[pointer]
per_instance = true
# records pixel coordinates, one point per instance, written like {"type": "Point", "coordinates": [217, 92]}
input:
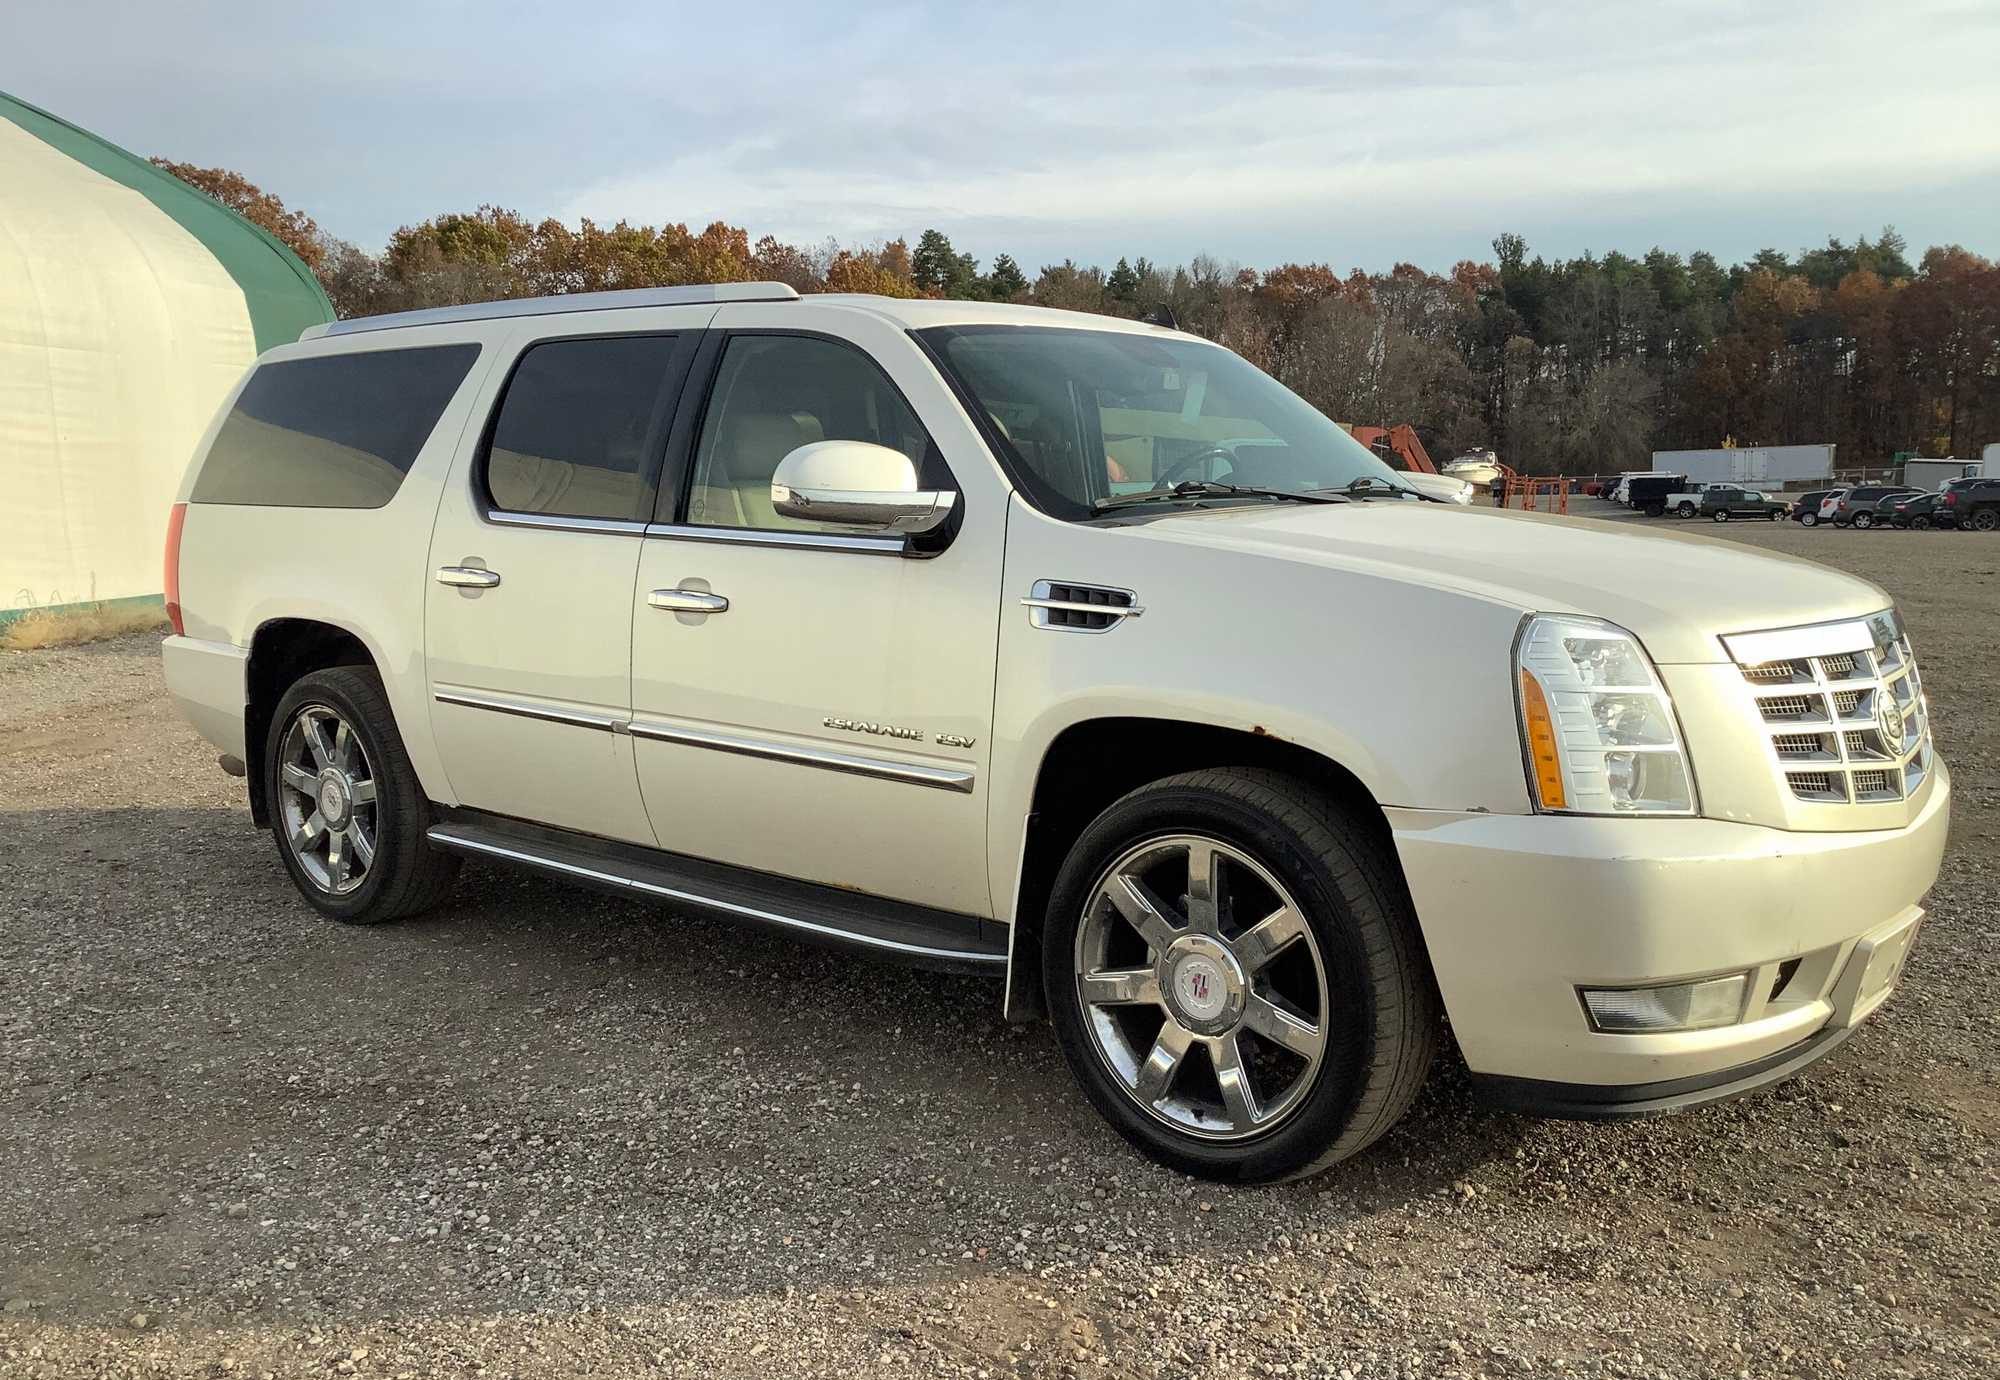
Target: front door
{"type": "Point", "coordinates": [528, 631]}
{"type": "Point", "coordinates": [808, 700]}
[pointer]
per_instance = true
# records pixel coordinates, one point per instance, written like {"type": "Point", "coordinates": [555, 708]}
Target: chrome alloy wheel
{"type": "Point", "coordinates": [327, 796]}
{"type": "Point", "coordinates": [1202, 987]}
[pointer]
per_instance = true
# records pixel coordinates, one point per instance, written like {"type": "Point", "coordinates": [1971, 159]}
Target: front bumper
{"type": "Point", "coordinates": [1520, 911]}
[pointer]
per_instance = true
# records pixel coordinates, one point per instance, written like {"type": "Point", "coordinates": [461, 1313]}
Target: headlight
{"type": "Point", "coordinates": [1597, 727]}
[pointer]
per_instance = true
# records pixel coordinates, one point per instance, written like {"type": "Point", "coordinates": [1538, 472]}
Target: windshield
{"type": "Point", "coordinates": [1094, 415]}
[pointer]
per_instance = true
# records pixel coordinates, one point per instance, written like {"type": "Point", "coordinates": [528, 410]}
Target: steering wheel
{"type": "Point", "coordinates": [1188, 462]}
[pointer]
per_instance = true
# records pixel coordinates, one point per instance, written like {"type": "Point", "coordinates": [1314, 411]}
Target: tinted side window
{"type": "Point", "coordinates": [335, 431]}
{"type": "Point", "coordinates": [580, 427]}
{"type": "Point", "coordinates": [776, 393]}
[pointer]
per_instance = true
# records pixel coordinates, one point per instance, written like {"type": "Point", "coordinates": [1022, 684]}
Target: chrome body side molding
{"type": "Point", "coordinates": [909, 773]}
{"type": "Point", "coordinates": [576, 718]}
{"type": "Point", "coordinates": [956, 779]}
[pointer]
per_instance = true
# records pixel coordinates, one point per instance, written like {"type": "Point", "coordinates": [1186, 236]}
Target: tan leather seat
{"type": "Point", "coordinates": [733, 488]}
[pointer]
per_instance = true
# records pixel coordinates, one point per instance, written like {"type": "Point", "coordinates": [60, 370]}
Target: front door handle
{"type": "Point", "coordinates": [468, 576]}
{"type": "Point", "coordinates": [687, 601]}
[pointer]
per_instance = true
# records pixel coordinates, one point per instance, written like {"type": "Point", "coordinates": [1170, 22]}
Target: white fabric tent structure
{"type": "Point", "coordinates": [130, 305]}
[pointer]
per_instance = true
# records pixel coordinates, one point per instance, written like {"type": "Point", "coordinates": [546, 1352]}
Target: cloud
{"type": "Point", "coordinates": [1455, 122]}
{"type": "Point", "coordinates": [1260, 131]}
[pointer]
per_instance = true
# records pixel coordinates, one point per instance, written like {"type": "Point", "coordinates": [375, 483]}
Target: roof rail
{"type": "Point", "coordinates": [561, 303]}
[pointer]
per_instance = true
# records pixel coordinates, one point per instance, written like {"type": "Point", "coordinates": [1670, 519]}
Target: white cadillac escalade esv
{"type": "Point", "coordinates": [1073, 650]}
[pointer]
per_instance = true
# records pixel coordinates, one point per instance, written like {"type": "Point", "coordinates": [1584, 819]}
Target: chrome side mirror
{"type": "Point", "coordinates": [857, 484]}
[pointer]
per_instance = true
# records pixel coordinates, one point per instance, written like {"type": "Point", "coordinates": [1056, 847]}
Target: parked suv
{"type": "Point", "coordinates": [1069, 650]}
{"type": "Point", "coordinates": [1857, 507]}
{"type": "Point", "coordinates": [1721, 503]}
{"type": "Point", "coordinates": [1975, 505]}
{"type": "Point", "coordinates": [1805, 508]}
{"type": "Point", "coordinates": [1921, 511]}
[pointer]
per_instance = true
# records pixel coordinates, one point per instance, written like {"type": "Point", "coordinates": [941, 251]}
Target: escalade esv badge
{"type": "Point", "coordinates": [914, 735]}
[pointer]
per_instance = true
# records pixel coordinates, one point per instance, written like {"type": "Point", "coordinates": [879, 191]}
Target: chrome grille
{"type": "Point", "coordinates": [1858, 680]}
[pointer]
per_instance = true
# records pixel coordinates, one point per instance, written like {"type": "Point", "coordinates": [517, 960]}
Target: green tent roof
{"type": "Point", "coordinates": [280, 291]}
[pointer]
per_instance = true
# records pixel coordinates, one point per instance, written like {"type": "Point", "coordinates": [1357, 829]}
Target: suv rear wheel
{"type": "Point", "coordinates": [1235, 978]}
{"type": "Point", "coordinates": [1985, 520]}
{"type": "Point", "coordinates": [1809, 520]}
{"type": "Point", "coordinates": [346, 809]}
{"type": "Point", "coordinates": [1864, 521]}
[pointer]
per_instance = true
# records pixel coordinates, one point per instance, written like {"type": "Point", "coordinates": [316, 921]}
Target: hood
{"type": "Point", "coordinates": [1678, 591]}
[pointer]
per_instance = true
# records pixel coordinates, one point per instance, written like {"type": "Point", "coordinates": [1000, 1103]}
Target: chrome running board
{"type": "Point", "coordinates": [897, 930]}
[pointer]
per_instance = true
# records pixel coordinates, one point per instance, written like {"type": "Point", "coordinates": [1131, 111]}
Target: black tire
{"type": "Point", "coordinates": [1985, 520]}
{"type": "Point", "coordinates": [406, 874]}
{"type": "Point", "coordinates": [1722, 515]}
{"type": "Point", "coordinates": [1774, 514]}
{"type": "Point", "coordinates": [1864, 521]}
{"type": "Point", "coordinates": [1381, 1011]}
{"type": "Point", "coordinates": [1685, 510]}
{"type": "Point", "coordinates": [1921, 523]}
{"type": "Point", "coordinates": [1809, 520]}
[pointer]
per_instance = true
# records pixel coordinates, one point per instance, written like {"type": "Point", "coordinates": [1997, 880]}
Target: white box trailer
{"type": "Point", "coordinates": [1753, 466]}
{"type": "Point", "coordinates": [1931, 475]}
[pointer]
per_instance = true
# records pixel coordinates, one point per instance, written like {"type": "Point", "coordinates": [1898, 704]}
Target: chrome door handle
{"type": "Point", "coordinates": [687, 601]}
{"type": "Point", "coordinates": [468, 576]}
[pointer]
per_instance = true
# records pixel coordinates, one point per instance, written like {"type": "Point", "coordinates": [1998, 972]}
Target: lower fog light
{"type": "Point", "coordinates": [1680, 1006]}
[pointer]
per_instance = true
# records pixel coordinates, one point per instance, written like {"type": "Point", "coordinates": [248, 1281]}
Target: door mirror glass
{"type": "Point", "coordinates": [857, 484]}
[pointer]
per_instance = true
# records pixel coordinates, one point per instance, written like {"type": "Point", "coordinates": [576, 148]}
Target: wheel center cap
{"type": "Point", "coordinates": [335, 799]}
{"type": "Point", "coordinates": [1203, 984]}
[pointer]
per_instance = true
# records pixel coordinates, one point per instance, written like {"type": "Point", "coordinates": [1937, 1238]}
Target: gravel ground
{"type": "Point", "coordinates": [544, 1133]}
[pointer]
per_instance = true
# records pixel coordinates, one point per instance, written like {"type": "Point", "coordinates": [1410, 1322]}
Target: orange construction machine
{"type": "Point", "coordinates": [1397, 445]}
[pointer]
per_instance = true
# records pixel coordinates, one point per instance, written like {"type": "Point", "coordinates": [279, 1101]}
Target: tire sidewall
{"type": "Point", "coordinates": [348, 907]}
{"type": "Point", "coordinates": [1809, 520]}
{"type": "Point", "coordinates": [1328, 1106]}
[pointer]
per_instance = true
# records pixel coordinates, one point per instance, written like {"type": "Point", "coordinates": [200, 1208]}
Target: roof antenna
{"type": "Point", "coordinates": [1161, 315]}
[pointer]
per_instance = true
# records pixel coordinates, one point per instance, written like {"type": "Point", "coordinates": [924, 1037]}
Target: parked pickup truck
{"type": "Point", "coordinates": [961, 634]}
{"type": "Point", "coordinates": [1975, 505]}
{"type": "Point", "coordinates": [1686, 501]}
{"type": "Point", "coordinates": [1721, 502]}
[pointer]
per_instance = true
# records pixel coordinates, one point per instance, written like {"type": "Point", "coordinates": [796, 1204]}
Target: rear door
{"type": "Point", "coordinates": [528, 633]}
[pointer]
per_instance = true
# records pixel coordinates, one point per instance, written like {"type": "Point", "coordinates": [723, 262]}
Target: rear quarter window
{"type": "Point", "coordinates": [333, 431]}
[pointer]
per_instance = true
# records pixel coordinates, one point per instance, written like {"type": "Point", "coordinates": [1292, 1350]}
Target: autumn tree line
{"type": "Point", "coordinates": [1573, 366]}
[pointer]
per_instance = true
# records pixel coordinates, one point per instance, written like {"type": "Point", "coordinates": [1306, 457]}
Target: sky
{"type": "Point", "coordinates": [1259, 132]}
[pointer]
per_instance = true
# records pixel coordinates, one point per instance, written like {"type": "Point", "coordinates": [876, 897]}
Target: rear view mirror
{"type": "Point", "coordinates": [857, 484]}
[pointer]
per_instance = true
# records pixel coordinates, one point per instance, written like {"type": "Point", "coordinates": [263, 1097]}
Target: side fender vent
{"type": "Point", "coordinates": [1069, 607]}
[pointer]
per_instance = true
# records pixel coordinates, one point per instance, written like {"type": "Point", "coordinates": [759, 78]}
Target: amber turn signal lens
{"type": "Point", "coordinates": [1542, 754]}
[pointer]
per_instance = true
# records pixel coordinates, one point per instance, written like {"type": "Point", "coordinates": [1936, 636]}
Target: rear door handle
{"type": "Point", "coordinates": [687, 601]}
{"type": "Point", "coordinates": [468, 576]}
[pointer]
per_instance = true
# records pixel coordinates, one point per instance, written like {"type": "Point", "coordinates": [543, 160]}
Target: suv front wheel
{"type": "Point", "coordinates": [1235, 977]}
{"type": "Point", "coordinates": [345, 806]}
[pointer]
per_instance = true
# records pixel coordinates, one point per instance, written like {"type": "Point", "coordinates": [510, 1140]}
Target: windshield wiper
{"type": "Point", "coordinates": [1211, 488]}
{"type": "Point", "coordinates": [1367, 483]}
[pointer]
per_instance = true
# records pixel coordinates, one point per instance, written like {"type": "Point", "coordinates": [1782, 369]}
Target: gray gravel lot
{"type": "Point", "coordinates": [545, 1133]}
